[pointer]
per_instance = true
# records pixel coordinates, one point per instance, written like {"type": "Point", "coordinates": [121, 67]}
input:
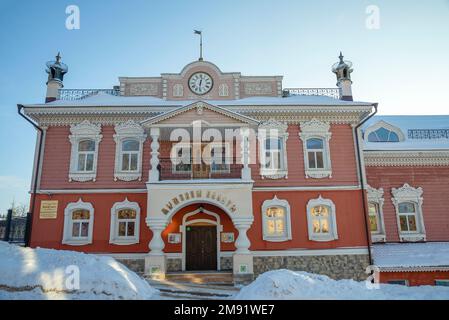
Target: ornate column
{"type": "Point", "coordinates": [246, 170]}
{"type": "Point", "coordinates": [155, 262]}
{"type": "Point", "coordinates": [156, 244]}
{"type": "Point", "coordinates": [154, 172]}
{"type": "Point", "coordinates": [242, 260]}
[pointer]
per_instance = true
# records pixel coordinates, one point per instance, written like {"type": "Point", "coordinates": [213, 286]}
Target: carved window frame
{"type": "Point", "coordinates": [319, 130]}
{"type": "Point", "coordinates": [114, 238]}
{"type": "Point", "coordinates": [68, 223]}
{"type": "Point", "coordinates": [275, 202]}
{"type": "Point", "coordinates": [375, 196]}
{"type": "Point", "coordinates": [409, 194]}
{"type": "Point", "coordinates": [268, 130]}
{"type": "Point", "coordinates": [128, 131]}
{"type": "Point", "coordinates": [333, 232]}
{"type": "Point", "coordinates": [79, 132]}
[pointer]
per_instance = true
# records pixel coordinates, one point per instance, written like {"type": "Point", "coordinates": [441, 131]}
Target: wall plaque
{"type": "Point", "coordinates": [49, 209]}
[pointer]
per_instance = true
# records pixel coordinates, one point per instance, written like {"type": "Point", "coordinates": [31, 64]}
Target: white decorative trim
{"type": "Point", "coordinates": [83, 131]}
{"type": "Point", "coordinates": [129, 130]}
{"type": "Point", "coordinates": [114, 238]}
{"type": "Point", "coordinates": [386, 125]}
{"type": "Point", "coordinates": [424, 158]}
{"type": "Point", "coordinates": [376, 196]}
{"type": "Point", "coordinates": [302, 188]}
{"type": "Point", "coordinates": [275, 202]}
{"type": "Point", "coordinates": [413, 195]}
{"type": "Point", "coordinates": [223, 90]}
{"type": "Point", "coordinates": [273, 129]}
{"type": "Point", "coordinates": [316, 129]}
{"type": "Point", "coordinates": [178, 90]}
{"type": "Point", "coordinates": [67, 233]}
{"type": "Point", "coordinates": [333, 234]}
{"type": "Point", "coordinates": [185, 223]}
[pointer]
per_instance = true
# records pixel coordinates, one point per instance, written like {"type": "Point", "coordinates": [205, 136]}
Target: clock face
{"type": "Point", "coordinates": [200, 83]}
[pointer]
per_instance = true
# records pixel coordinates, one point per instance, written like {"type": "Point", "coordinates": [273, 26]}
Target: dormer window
{"type": "Point", "coordinates": [384, 132]}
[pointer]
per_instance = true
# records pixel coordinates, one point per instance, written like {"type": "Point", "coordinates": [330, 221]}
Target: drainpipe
{"type": "Point", "coordinates": [36, 175]}
{"type": "Point", "coordinates": [362, 182]}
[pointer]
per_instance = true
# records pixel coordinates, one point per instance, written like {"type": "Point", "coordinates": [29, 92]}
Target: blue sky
{"type": "Point", "coordinates": [403, 65]}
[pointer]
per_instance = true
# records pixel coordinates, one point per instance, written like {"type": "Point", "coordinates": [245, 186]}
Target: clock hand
{"type": "Point", "coordinates": [201, 81]}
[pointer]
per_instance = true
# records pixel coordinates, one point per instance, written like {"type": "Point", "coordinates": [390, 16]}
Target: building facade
{"type": "Point", "coordinates": [209, 170]}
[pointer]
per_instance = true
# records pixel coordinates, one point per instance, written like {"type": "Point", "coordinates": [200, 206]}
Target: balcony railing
{"type": "Point", "coordinates": [328, 92]}
{"type": "Point", "coordinates": [169, 171]}
{"type": "Point", "coordinates": [77, 94]}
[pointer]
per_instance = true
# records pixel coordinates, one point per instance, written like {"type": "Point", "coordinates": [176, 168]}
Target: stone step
{"type": "Point", "coordinates": [218, 278]}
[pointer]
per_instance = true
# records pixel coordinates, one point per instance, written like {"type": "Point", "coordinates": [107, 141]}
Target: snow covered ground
{"type": "Point", "coordinates": [53, 274]}
{"type": "Point", "coordinates": [285, 284]}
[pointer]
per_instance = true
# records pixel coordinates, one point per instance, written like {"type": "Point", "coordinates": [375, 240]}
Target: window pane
{"type": "Point", "coordinates": [273, 144]}
{"type": "Point", "coordinates": [324, 226]}
{"type": "Point", "coordinates": [406, 207]}
{"type": "Point", "coordinates": [280, 226]}
{"type": "Point", "coordinates": [312, 163]}
{"type": "Point", "coordinates": [133, 162]}
{"type": "Point", "coordinates": [76, 229]}
{"type": "Point", "coordinates": [403, 223]}
{"type": "Point", "coordinates": [270, 227]}
{"type": "Point", "coordinates": [383, 134]}
{"type": "Point", "coordinates": [316, 226]}
{"type": "Point", "coordinates": [122, 229]}
{"type": "Point", "coordinates": [125, 162]}
{"type": "Point", "coordinates": [130, 145]}
{"type": "Point", "coordinates": [319, 160]}
{"type": "Point", "coordinates": [86, 145]}
{"type": "Point", "coordinates": [393, 137]}
{"type": "Point", "coordinates": [81, 162]}
{"type": "Point", "coordinates": [373, 137]}
{"type": "Point", "coordinates": [322, 211]}
{"type": "Point", "coordinates": [315, 144]}
{"type": "Point", "coordinates": [412, 223]}
{"type": "Point", "coordinates": [89, 162]}
{"type": "Point", "coordinates": [84, 229]}
{"type": "Point", "coordinates": [373, 223]}
{"type": "Point", "coordinates": [372, 208]}
{"type": "Point", "coordinates": [126, 214]}
{"type": "Point", "coordinates": [80, 215]}
{"type": "Point", "coordinates": [130, 229]}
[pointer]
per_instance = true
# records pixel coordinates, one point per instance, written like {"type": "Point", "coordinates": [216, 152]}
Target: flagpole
{"type": "Point", "coordinates": [201, 46]}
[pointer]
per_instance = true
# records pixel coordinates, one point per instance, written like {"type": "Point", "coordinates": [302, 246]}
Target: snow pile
{"type": "Point", "coordinates": [53, 274]}
{"type": "Point", "coordinates": [286, 284]}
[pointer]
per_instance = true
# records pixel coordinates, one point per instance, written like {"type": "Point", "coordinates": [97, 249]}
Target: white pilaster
{"type": "Point", "coordinates": [154, 172]}
{"type": "Point", "coordinates": [246, 170]}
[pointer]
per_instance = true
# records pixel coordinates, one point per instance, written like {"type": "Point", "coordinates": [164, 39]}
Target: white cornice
{"type": "Point", "coordinates": [431, 158]}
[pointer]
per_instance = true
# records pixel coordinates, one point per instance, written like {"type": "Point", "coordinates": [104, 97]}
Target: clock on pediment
{"type": "Point", "coordinates": [200, 83]}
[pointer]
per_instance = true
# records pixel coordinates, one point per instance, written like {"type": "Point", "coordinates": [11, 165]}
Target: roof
{"type": "Point", "coordinates": [411, 255]}
{"type": "Point", "coordinates": [415, 129]}
{"type": "Point", "coordinates": [104, 99]}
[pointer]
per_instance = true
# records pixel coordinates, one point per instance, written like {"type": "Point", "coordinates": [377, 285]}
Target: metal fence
{"type": "Point", "coordinates": [327, 92]}
{"type": "Point", "coordinates": [14, 229]}
{"type": "Point", "coordinates": [77, 94]}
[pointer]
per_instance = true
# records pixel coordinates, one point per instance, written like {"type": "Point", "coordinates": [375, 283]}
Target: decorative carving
{"type": "Point", "coordinates": [407, 193]}
{"type": "Point", "coordinates": [315, 126]}
{"type": "Point", "coordinates": [406, 158]}
{"type": "Point", "coordinates": [261, 88]}
{"type": "Point", "coordinates": [143, 89]}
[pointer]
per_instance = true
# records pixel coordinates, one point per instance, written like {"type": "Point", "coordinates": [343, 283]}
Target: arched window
{"type": "Point", "coordinates": [315, 153]}
{"type": "Point", "coordinates": [78, 223]}
{"type": "Point", "coordinates": [130, 155]}
{"type": "Point", "coordinates": [321, 220]}
{"type": "Point", "coordinates": [276, 220]}
{"type": "Point", "coordinates": [125, 223]}
{"type": "Point", "coordinates": [86, 155]}
{"type": "Point", "coordinates": [383, 135]}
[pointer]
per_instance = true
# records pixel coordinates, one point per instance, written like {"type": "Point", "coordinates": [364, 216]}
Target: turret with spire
{"type": "Point", "coordinates": [56, 71]}
{"type": "Point", "coordinates": [343, 70]}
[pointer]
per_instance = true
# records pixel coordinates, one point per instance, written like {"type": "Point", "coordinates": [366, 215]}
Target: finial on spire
{"type": "Point", "coordinates": [58, 57]}
{"type": "Point", "coordinates": [341, 57]}
{"type": "Point", "coordinates": [200, 33]}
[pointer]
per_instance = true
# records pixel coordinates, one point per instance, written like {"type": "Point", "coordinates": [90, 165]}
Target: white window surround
{"type": "Point", "coordinates": [114, 238]}
{"type": "Point", "coordinates": [411, 195]}
{"type": "Point", "coordinates": [319, 130]}
{"type": "Point", "coordinates": [128, 131]}
{"type": "Point", "coordinates": [332, 234]}
{"type": "Point", "coordinates": [376, 196]}
{"type": "Point", "coordinates": [83, 131]}
{"type": "Point", "coordinates": [268, 130]}
{"type": "Point", "coordinates": [223, 90]}
{"type": "Point", "coordinates": [68, 222]}
{"type": "Point", "coordinates": [275, 202]}
{"type": "Point", "coordinates": [386, 125]}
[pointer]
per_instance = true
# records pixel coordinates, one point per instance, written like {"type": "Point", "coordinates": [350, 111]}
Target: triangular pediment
{"type": "Point", "coordinates": [200, 111]}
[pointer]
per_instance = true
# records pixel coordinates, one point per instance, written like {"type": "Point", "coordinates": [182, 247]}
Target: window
{"type": "Point", "coordinates": [408, 204]}
{"type": "Point", "coordinates": [321, 220]}
{"type": "Point", "coordinates": [85, 138]}
{"type": "Point", "coordinates": [375, 215]}
{"type": "Point", "coordinates": [78, 223]}
{"type": "Point", "coordinates": [315, 136]}
{"type": "Point", "coordinates": [383, 132]}
{"type": "Point", "coordinates": [125, 223]}
{"type": "Point", "coordinates": [181, 158]}
{"type": "Point", "coordinates": [129, 138]}
{"type": "Point", "coordinates": [86, 154]}
{"type": "Point", "coordinates": [383, 135]}
{"type": "Point", "coordinates": [398, 282]}
{"type": "Point", "coordinates": [273, 137]}
{"type": "Point", "coordinates": [276, 220]}
{"type": "Point", "coordinates": [220, 158]}
{"type": "Point", "coordinates": [443, 283]}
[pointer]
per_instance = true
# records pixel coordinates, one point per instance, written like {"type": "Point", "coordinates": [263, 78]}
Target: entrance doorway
{"type": "Point", "coordinates": [201, 248]}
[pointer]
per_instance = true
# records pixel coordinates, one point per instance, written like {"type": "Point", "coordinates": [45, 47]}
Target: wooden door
{"type": "Point", "coordinates": [200, 170]}
{"type": "Point", "coordinates": [201, 248]}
